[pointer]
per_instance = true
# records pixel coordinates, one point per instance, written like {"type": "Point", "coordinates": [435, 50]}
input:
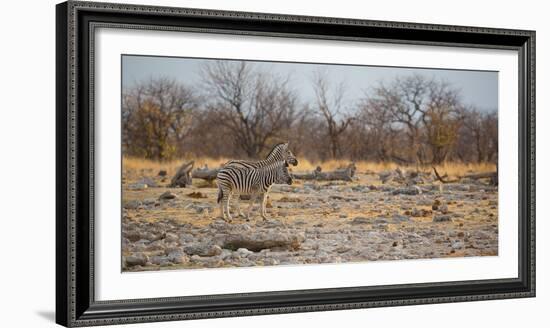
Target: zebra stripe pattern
{"type": "Point", "coordinates": [280, 152]}
{"type": "Point", "coordinates": [239, 180]}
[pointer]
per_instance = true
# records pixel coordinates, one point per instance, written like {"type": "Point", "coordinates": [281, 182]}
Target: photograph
{"type": "Point", "coordinates": [240, 163]}
{"type": "Point", "coordinates": [248, 161]}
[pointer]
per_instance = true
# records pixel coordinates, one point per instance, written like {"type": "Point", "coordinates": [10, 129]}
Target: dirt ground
{"type": "Point", "coordinates": [371, 218]}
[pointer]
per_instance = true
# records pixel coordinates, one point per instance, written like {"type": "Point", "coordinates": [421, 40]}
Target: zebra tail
{"type": "Point", "coordinates": [220, 194]}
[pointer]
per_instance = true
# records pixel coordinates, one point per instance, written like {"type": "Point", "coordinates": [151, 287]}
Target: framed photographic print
{"type": "Point", "coordinates": [215, 164]}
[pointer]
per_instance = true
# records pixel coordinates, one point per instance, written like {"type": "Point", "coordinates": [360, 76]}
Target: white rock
{"type": "Point", "coordinates": [137, 186]}
{"type": "Point", "coordinates": [243, 252]}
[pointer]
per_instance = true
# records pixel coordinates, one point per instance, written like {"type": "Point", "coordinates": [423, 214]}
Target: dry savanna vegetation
{"type": "Point", "coordinates": [406, 172]}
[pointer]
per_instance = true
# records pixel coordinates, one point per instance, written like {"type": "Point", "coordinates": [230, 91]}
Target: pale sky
{"type": "Point", "coordinates": [477, 88]}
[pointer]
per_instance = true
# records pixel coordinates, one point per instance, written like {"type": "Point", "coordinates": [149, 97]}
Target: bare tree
{"type": "Point", "coordinates": [478, 137]}
{"type": "Point", "coordinates": [254, 106]}
{"type": "Point", "coordinates": [329, 104]}
{"type": "Point", "coordinates": [403, 101]}
{"type": "Point", "coordinates": [157, 116]}
{"type": "Point", "coordinates": [491, 136]}
{"type": "Point", "coordinates": [242, 110]}
{"type": "Point", "coordinates": [384, 134]}
{"type": "Point", "coordinates": [426, 110]}
{"type": "Point", "coordinates": [442, 119]}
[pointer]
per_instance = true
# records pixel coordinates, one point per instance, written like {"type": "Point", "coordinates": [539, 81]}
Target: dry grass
{"type": "Point", "coordinates": [456, 169]}
{"type": "Point", "coordinates": [140, 164]}
{"type": "Point", "coordinates": [449, 168]}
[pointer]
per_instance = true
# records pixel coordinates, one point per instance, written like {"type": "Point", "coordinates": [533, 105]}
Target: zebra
{"type": "Point", "coordinates": [240, 180]}
{"type": "Point", "coordinates": [280, 152]}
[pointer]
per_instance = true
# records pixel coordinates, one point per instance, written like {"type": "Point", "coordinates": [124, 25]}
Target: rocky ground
{"type": "Point", "coordinates": [376, 217]}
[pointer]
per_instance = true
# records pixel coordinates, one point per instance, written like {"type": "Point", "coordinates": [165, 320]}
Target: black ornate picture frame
{"type": "Point", "coordinates": [75, 301]}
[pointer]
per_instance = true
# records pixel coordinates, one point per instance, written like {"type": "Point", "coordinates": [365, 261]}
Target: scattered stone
{"type": "Point", "coordinates": [457, 245]}
{"type": "Point", "coordinates": [203, 250]}
{"type": "Point", "coordinates": [171, 237]}
{"type": "Point", "coordinates": [132, 205]}
{"type": "Point", "coordinates": [200, 208]}
{"type": "Point", "coordinates": [137, 186]}
{"type": "Point", "coordinates": [271, 261]}
{"type": "Point", "coordinates": [360, 220]}
{"type": "Point", "coordinates": [343, 249]}
{"type": "Point", "coordinates": [412, 190]}
{"type": "Point", "coordinates": [243, 252]}
{"type": "Point", "coordinates": [132, 235]}
{"type": "Point", "coordinates": [150, 183]}
{"type": "Point", "coordinates": [271, 223]}
{"type": "Point", "coordinates": [186, 238]}
{"type": "Point", "coordinates": [162, 173]}
{"type": "Point", "coordinates": [400, 218]}
{"type": "Point", "coordinates": [463, 187]}
{"type": "Point", "coordinates": [286, 199]}
{"type": "Point", "coordinates": [386, 176]}
{"type": "Point", "coordinates": [209, 262]}
{"type": "Point", "coordinates": [442, 218]}
{"type": "Point", "coordinates": [424, 202]}
{"type": "Point", "coordinates": [178, 257]}
{"type": "Point", "coordinates": [256, 241]}
{"type": "Point", "coordinates": [167, 195]}
{"type": "Point", "coordinates": [196, 194]}
{"type": "Point", "coordinates": [157, 260]}
{"type": "Point", "coordinates": [157, 245]}
{"type": "Point", "coordinates": [481, 235]}
{"type": "Point", "coordinates": [149, 201]}
{"type": "Point", "coordinates": [136, 259]}
{"type": "Point", "coordinates": [420, 212]}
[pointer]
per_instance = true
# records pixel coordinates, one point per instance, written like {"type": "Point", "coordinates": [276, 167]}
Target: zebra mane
{"type": "Point", "coordinates": [274, 149]}
{"type": "Point", "coordinates": [273, 165]}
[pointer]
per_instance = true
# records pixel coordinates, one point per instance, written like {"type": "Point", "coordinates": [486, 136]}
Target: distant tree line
{"type": "Point", "coordinates": [239, 111]}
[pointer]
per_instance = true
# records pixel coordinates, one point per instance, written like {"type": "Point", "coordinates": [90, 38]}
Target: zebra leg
{"type": "Point", "coordinates": [252, 201]}
{"type": "Point", "coordinates": [225, 201]}
{"type": "Point", "coordinates": [222, 211]}
{"type": "Point", "coordinates": [264, 202]}
{"type": "Point", "coordinates": [221, 200]}
{"type": "Point", "coordinates": [238, 205]}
